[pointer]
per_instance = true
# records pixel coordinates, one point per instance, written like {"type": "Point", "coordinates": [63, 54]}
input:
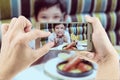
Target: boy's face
{"type": "Point", "coordinates": [52, 14]}
{"type": "Point", "coordinates": [59, 30]}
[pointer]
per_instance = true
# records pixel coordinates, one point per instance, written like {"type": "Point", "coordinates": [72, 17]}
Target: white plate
{"type": "Point", "coordinates": [32, 74]}
{"type": "Point", "coordinates": [51, 70]}
{"type": "Point", "coordinates": [60, 47]}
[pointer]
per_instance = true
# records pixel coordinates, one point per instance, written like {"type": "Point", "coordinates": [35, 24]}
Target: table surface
{"type": "Point", "coordinates": [51, 70]}
{"type": "Point", "coordinates": [37, 73]}
{"type": "Point", "coordinates": [33, 73]}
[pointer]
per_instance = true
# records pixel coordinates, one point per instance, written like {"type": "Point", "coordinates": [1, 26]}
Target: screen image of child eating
{"type": "Point", "coordinates": [60, 35]}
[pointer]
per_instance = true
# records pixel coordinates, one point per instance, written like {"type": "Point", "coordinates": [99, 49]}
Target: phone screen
{"type": "Point", "coordinates": [67, 36]}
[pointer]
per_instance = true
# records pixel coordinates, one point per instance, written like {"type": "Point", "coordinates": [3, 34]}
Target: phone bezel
{"type": "Point", "coordinates": [90, 46]}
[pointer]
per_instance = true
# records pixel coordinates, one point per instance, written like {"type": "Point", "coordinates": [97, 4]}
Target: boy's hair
{"type": "Point", "coordinates": [42, 4]}
{"type": "Point", "coordinates": [55, 24]}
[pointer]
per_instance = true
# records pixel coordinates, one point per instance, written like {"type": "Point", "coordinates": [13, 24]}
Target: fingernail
{"type": "Point", "coordinates": [90, 55]}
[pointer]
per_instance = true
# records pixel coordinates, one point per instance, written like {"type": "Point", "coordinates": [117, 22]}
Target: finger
{"type": "Point", "coordinates": [27, 29]}
{"type": "Point", "coordinates": [4, 28]}
{"type": "Point", "coordinates": [34, 34]}
{"type": "Point", "coordinates": [43, 50]}
{"type": "Point", "coordinates": [94, 21]}
{"type": "Point", "coordinates": [88, 18]}
{"type": "Point", "coordinates": [86, 55]}
{"type": "Point", "coordinates": [13, 21]}
{"type": "Point", "coordinates": [22, 23]}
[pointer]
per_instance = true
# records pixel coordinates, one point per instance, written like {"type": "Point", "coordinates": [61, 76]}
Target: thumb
{"type": "Point", "coordinates": [43, 50]}
{"type": "Point", "coordinates": [88, 18]}
{"type": "Point", "coordinates": [86, 55]}
{"type": "Point", "coordinates": [4, 28]}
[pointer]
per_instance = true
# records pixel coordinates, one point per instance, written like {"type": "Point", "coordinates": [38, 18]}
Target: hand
{"type": "Point", "coordinates": [104, 50]}
{"type": "Point", "coordinates": [65, 38]}
{"type": "Point", "coordinates": [55, 41]}
{"type": "Point", "coordinates": [103, 47]}
{"type": "Point", "coordinates": [16, 55]}
{"type": "Point", "coordinates": [105, 55]}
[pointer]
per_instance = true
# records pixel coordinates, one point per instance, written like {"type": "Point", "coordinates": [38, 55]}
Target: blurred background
{"type": "Point", "coordinates": [108, 11]}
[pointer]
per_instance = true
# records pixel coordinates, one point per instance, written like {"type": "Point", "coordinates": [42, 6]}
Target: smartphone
{"type": "Point", "coordinates": [67, 36]}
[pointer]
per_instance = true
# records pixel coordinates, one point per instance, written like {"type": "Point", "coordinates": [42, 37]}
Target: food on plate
{"type": "Point", "coordinates": [79, 66]}
{"type": "Point", "coordinates": [84, 67]}
{"type": "Point", "coordinates": [71, 46]}
{"type": "Point", "coordinates": [75, 67]}
{"type": "Point", "coordinates": [71, 64]}
{"type": "Point", "coordinates": [75, 71]}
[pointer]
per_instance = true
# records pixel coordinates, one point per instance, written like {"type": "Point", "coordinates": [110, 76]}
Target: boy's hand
{"type": "Point", "coordinates": [56, 40]}
{"type": "Point", "coordinates": [16, 55]}
{"type": "Point", "coordinates": [65, 38]}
